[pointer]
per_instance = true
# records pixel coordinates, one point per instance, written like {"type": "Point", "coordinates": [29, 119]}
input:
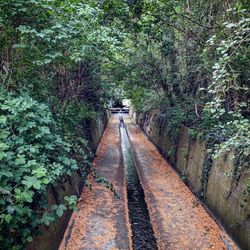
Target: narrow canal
{"type": "Point", "coordinates": [142, 232]}
{"type": "Point", "coordinates": [101, 222]}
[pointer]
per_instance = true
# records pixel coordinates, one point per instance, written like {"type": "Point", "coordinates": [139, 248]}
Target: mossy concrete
{"type": "Point", "coordinates": [195, 161]}
{"type": "Point", "coordinates": [97, 126]}
{"type": "Point", "coordinates": [228, 198]}
{"type": "Point", "coordinates": [183, 151]}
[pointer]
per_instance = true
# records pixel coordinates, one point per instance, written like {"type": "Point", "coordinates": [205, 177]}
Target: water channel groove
{"type": "Point", "coordinates": [142, 232]}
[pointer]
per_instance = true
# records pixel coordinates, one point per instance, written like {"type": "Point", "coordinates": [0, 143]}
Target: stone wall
{"type": "Point", "coordinates": [51, 236]}
{"type": "Point", "coordinates": [224, 195]}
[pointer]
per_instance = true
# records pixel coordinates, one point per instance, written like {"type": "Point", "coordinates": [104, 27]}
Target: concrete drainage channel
{"type": "Point", "coordinates": [142, 232]}
{"type": "Point", "coordinates": [102, 222]}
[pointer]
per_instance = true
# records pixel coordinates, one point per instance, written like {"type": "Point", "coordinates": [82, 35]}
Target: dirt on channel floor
{"type": "Point", "coordinates": [101, 222]}
{"type": "Point", "coordinates": [179, 221]}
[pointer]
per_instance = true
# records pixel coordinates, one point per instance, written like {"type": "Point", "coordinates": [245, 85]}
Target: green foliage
{"type": "Point", "coordinates": [100, 180]}
{"type": "Point", "coordinates": [57, 56]}
{"type": "Point", "coordinates": [34, 156]}
{"type": "Point", "coordinates": [75, 55]}
{"type": "Point", "coordinates": [192, 68]}
{"type": "Point", "coordinates": [228, 109]}
{"type": "Point", "coordinates": [191, 64]}
{"type": "Point", "coordinates": [51, 70]}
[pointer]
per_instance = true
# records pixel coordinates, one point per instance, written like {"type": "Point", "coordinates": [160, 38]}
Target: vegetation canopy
{"type": "Point", "coordinates": [62, 61]}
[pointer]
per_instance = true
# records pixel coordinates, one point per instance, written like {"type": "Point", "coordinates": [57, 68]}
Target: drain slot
{"type": "Point", "coordinates": [142, 232]}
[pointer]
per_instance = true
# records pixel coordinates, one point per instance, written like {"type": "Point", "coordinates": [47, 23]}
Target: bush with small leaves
{"type": "Point", "coordinates": [34, 156]}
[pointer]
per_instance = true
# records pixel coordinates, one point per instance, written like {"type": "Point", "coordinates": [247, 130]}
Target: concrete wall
{"type": "Point", "coordinates": [96, 129]}
{"type": "Point", "coordinates": [224, 195]}
{"type": "Point", "coordinates": [51, 236]}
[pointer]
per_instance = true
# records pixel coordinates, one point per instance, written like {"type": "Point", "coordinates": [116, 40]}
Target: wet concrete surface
{"type": "Point", "coordinates": [142, 232]}
{"type": "Point", "coordinates": [102, 222]}
{"type": "Point", "coordinates": [179, 221]}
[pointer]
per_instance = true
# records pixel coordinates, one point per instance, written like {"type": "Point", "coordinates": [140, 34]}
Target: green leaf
{"type": "Point", "coordinates": [20, 160]}
{"type": "Point", "coordinates": [31, 181]}
{"type": "Point", "coordinates": [4, 107]}
{"type": "Point", "coordinates": [8, 218]}
{"type": "Point", "coordinates": [6, 173]}
{"type": "Point", "coordinates": [10, 209]}
{"type": "Point", "coordinates": [37, 184]}
{"type": "Point", "coordinates": [39, 172]}
{"type": "Point", "coordinates": [47, 218]}
{"type": "Point", "coordinates": [60, 210]}
{"type": "Point", "coordinates": [3, 119]}
{"type": "Point", "coordinates": [3, 146]}
{"type": "Point", "coordinates": [54, 207]}
{"type": "Point", "coordinates": [19, 46]}
{"type": "Point", "coordinates": [29, 239]}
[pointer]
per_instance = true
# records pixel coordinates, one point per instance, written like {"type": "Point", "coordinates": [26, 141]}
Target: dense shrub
{"type": "Point", "coordinates": [34, 156]}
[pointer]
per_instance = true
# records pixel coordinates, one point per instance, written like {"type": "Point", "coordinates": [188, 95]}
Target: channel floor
{"type": "Point", "coordinates": [102, 221]}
